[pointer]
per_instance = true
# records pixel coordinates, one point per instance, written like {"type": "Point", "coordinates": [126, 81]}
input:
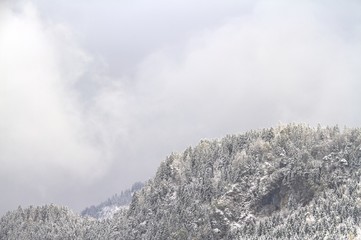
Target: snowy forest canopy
{"type": "Point", "coordinates": [288, 182]}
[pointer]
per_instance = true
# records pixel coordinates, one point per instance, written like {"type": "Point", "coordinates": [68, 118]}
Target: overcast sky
{"type": "Point", "coordinates": [95, 94]}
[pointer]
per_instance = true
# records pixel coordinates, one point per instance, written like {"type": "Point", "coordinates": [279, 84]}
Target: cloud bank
{"type": "Point", "coordinates": [68, 115]}
{"type": "Point", "coordinates": [280, 63]}
{"type": "Point", "coordinates": [46, 139]}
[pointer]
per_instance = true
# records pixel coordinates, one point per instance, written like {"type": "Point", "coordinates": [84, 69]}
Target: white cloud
{"type": "Point", "coordinates": [279, 63]}
{"type": "Point", "coordinates": [42, 125]}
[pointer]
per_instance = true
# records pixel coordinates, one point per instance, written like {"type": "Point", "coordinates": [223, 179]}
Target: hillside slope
{"type": "Point", "coordinates": [289, 182]}
{"type": "Point", "coordinates": [292, 181]}
{"type": "Point", "coordinates": [46, 222]}
{"type": "Point", "coordinates": [113, 204]}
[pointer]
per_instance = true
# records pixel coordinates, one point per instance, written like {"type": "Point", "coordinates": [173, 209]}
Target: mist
{"type": "Point", "coordinates": [93, 96]}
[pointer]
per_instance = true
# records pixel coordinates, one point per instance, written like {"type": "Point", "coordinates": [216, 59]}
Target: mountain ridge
{"type": "Point", "coordinates": [108, 208]}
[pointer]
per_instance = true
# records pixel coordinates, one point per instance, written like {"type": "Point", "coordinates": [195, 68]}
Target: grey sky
{"type": "Point", "coordinates": [94, 94]}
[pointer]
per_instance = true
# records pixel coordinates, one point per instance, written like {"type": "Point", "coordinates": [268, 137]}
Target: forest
{"type": "Point", "coordinates": [288, 182]}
